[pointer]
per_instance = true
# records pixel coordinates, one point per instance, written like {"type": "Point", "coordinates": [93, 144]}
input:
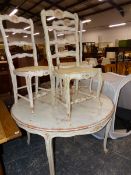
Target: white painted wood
{"type": "Point", "coordinates": [28, 138]}
{"type": "Point", "coordinates": [13, 30]}
{"type": "Point", "coordinates": [59, 28]}
{"type": "Point", "coordinates": [78, 73]}
{"type": "Point", "coordinates": [20, 43]}
{"type": "Point", "coordinates": [15, 19]}
{"type": "Point", "coordinates": [56, 26]}
{"type": "Point", "coordinates": [49, 151]}
{"type": "Point", "coordinates": [65, 54]}
{"type": "Point", "coordinates": [66, 21]}
{"type": "Point", "coordinates": [21, 55]}
{"type": "Point", "coordinates": [106, 135]}
{"type": "Point", "coordinates": [26, 72]}
{"type": "Point", "coordinates": [83, 64]}
{"type": "Point", "coordinates": [50, 121]}
{"type": "Point", "coordinates": [62, 41]}
{"type": "Point", "coordinates": [81, 28]}
{"type": "Point", "coordinates": [59, 14]}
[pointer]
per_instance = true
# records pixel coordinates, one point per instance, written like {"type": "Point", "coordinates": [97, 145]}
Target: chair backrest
{"type": "Point", "coordinates": [60, 32]}
{"type": "Point", "coordinates": [15, 26]}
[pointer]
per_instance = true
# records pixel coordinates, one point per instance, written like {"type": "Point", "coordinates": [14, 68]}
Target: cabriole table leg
{"type": "Point", "coordinates": [106, 135]}
{"type": "Point", "coordinates": [50, 156]}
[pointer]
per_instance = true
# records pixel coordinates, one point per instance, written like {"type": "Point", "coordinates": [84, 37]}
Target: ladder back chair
{"type": "Point", "coordinates": [15, 27]}
{"type": "Point", "coordinates": [64, 30]}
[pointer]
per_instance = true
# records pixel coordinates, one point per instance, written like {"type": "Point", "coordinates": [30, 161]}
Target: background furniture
{"type": "Point", "coordinates": [5, 81]}
{"type": "Point", "coordinates": [8, 128]}
{"type": "Point", "coordinates": [89, 50]}
{"type": "Point", "coordinates": [109, 68]}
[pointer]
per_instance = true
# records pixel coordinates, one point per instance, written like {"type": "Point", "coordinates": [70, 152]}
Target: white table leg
{"type": "Point", "coordinates": [106, 135]}
{"type": "Point", "coordinates": [50, 156]}
{"type": "Point", "coordinates": [28, 138]}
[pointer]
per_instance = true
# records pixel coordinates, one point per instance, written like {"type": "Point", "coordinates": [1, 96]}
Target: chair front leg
{"type": "Point", "coordinates": [77, 86]}
{"type": "Point", "coordinates": [30, 94]}
{"type": "Point", "coordinates": [36, 86]}
{"type": "Point", "coordinates": [53, 88]}
{"type": "Point", "coordinates": [15, 88]}
{"type": "Point", "coordinates": [67, 96]}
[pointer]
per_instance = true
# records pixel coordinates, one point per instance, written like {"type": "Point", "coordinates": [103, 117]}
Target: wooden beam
{"type": "Point", "coordinates": [36, 4]}
{"type": "Point", "coordinates": [4, 4]}
{"type": "Point", "coordinates": [116, 6]}
{"type": "Point", "coordinates": [74, 4]}
{"type": "Point", "coordinates": [22, 9]}
{"type": "Point", "coordinates": [54, 4]}
{"type": "Point", "coordinates": [90, 7]}
{"type": "Point", "coordinates": [21, 3]}
{"type": "Point", "coordinates": [103, 10]}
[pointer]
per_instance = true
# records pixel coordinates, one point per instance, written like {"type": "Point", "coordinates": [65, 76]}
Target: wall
{"type": "Point", "coordinates": [98, 30]}
{"type": "Point", "coordinates": [107, 35]}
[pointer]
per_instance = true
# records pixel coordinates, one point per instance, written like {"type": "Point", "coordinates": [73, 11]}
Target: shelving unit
{"type": "Point", "coordinates": [89, 50]}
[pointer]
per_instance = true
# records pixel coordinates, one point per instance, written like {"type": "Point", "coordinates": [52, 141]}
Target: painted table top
{"type": "Point", "coordinates": [48, 118]}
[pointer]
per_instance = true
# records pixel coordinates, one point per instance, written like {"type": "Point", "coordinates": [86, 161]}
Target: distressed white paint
{"type": "Point", "coordinates": [22, 55]}
{"type": "Point", "coordinates": [13, 30]}
{"type": "Point", "coordinates": [20, 43]}
{"type": "Point", "coordinates": [69, 73]}
{"type": "Point", "coordinates": [26, 72]}
{"type": "Point", "coordinates": [50, 121]}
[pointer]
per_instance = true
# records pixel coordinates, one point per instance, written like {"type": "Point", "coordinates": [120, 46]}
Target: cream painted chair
{"type": "Point", "coordinates": [22, 38]}
{"type": "Point", "coordinates": [64, 31]}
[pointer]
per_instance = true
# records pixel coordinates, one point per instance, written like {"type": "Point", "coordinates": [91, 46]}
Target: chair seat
{"type": "Point", "coordinates": [32, 70]}
{"type": "Point", "coordinates": [74, 70]}
{"type": "Point", "coordinates": [73, 64]}
{"type": "Point", "coordinates": [74, 73]}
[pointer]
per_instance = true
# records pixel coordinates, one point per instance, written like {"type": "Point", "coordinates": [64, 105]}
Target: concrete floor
{"type": "Point", "coordinates": [80, 155]}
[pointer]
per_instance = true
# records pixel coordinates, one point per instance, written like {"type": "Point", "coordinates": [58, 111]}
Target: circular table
{"type": "Point", "coordinates": [51, 121]}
